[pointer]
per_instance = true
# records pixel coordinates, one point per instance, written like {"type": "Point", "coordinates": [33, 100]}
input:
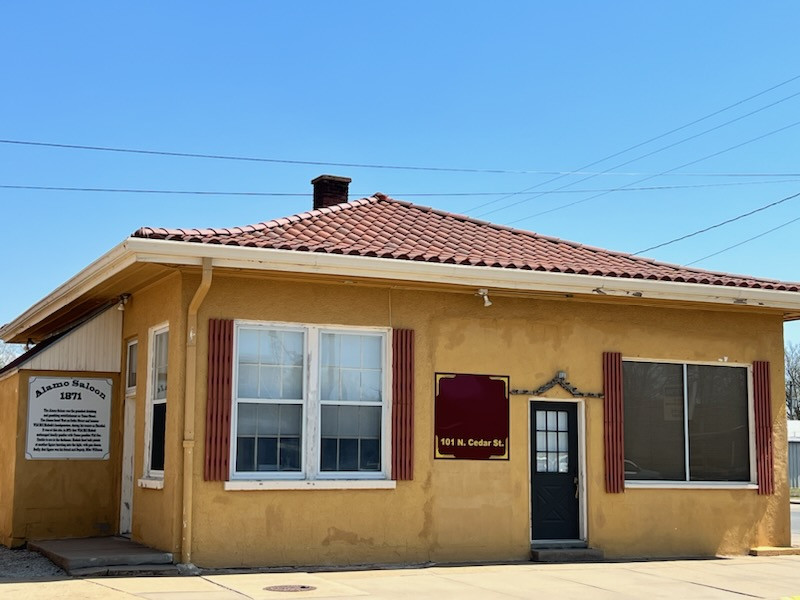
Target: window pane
{"type": "Point", "coordinates": [350, 346]}
{"type": "Point", "coordinates": [248, 381]}
{"type": "Point", "coordinates": [348, 421]}
{"type": "Point", "coordinates": [267, 454]}
{"type": "Point", "coordinates": [290, 420]}
{"type": "Point", "coordinates": [329, 383]}
{"type": "Point", "coordinates": [562, 420]}
{"type": "Point", "coordinates": [719, 442]}
{"type": "Point", "coordinates": [370, 459]}
{"type": "Point", "coordinates": [290, 454]}
{"type": "Point", "coordinates": [330, 421]}
{"type": "Point", "coordinates": [552, 444]}
{"type": "Point", "coordinates": [245, 454]}
{"type": "Point", "coordinates": [270, 348]}
{"type": "Point", "coordinates": [158, 435]}
{"type": "Point", "coordinates": [552, 423]}
{"type": "Point", "coordinates": [246, 421]}
{"type": "Point", "coordinates": [563, 462]}
{"type": "Point", "coordinates": [350, 384]}
{"type": "Point", "coordinates": [653, 416]}
{"type": "Point", "coordinates": [371, 355]}
{"type": "Point", "coordinates": [161, 342]}
{"type": "Point", "coordinates": [161, 383]}
{"type": "Point", "coordinates": [541, 417]}
{"type": "Point", "coordinates": [270, 382]}
{"type": "Point", "coordinates": [371, 386]}
{"type": "Point", "coordinates": [369, 422]}
{"type": "Point", "coordinates": [552, 462]}
{"type": "Point", "coordinates": [348, 454]}
{"type": "Point", "coordinates": [541, 462]}
{"type": "Point", "coordinates": [562, 442]}
{"type": "Point", "coordinates": [541, 441]}
{"type": "Point", "coordinates": [248, 346]}
{"type": "Point", "coordinates": [329, 458]}
{"type": "Point", "coordinates": [267, 419]}
{"type": "Point", "coordinates": [292, 383]}
{"type": "Point", "coordinates": [292, 348]}
{"type": "Point", "coordinates": [329, 356]}
{"type": "Point", "coordinates": [133, 351]}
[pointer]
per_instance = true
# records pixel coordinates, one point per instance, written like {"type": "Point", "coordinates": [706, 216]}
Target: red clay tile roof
{"type": "Point", "coordinates": [382, 227]}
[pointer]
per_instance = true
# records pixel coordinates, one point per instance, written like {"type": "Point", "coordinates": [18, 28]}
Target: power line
{"type": "Point", "coordinates": [628, 149]}
{"type": "Point", "coordinates": [379, 166]}
{"type": "Point", "coordinates": [742, 243]}
{"type": "Point", "coordinates": [720, 224]}
{"type": "Point", "coordinates": [693, 162]}
{"type": "Point", "coordinates": [656, 151]}
{"type": "Point", "coordinates": [397, 194]}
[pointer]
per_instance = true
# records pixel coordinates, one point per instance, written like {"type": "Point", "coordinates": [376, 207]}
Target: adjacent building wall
{"type": "Point", "coordinates": [63, 498]}
{"type": "Point", "coordinates": [9, 402]}
{"type": "Point", "coordinates": [475, 510]}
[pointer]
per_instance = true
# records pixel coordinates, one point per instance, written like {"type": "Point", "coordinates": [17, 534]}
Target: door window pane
{"type": "Point", "coordinates": [552, 441]}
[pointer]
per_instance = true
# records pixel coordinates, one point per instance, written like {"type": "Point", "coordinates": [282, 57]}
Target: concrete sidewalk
{"type": "Point", "coordinates": [754, 577]}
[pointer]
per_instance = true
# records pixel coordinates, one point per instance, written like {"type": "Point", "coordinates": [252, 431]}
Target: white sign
{"type": "Point", "coordinates": [68, 418]}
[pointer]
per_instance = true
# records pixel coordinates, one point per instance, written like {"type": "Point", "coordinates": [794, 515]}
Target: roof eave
{"type": "Point", "coordinates": [135, 250]}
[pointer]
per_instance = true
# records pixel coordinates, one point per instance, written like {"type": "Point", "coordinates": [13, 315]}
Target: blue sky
{"type": "Point", "coordinates": [515, 86]}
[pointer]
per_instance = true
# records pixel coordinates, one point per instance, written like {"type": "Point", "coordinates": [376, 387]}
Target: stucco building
{"type": "Point", "coordinates": [379, 382]}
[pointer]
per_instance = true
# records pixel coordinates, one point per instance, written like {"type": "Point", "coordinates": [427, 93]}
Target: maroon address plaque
{"type": "Point", "coordinates": [471, 416]}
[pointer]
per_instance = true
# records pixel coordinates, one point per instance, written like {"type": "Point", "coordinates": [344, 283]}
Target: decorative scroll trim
{"type": "Point", "coordinates": [559, 380]}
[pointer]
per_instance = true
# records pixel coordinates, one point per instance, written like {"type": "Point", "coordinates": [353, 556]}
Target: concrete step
{"type": "Point", "coordinates": [566, 555]}
{"type": "Point", "coordinates": [85, 553]}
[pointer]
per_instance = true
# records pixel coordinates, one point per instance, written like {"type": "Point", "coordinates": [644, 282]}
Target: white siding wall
{"type": "Point", "coordinates": [94, 346]}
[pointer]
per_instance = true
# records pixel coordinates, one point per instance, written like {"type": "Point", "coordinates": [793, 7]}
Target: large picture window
{"type": "Point", "coordinates": [686, 422]}
{"type": "Point", "coordinates": [309, 402]}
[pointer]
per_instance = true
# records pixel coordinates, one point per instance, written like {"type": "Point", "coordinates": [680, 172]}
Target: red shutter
{"type": "Point", "coordinates": [402, 404]}
{"type": "Point", "coordinates": [218, 406]}
{"type": "Point", "coordinates": [613, 423]}
{"type": "Point", "coordinates": [763, 411]}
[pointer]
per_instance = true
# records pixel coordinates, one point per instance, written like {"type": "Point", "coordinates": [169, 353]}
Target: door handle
{"type": "Point", "coordinates": [575, 481]}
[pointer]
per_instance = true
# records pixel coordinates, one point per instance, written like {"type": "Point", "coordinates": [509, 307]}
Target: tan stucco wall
{"type": "Point", "coordinates": [156, 512]}
{"type": "Point", "coordinates": [9, 402]}
{"type": "Point", "coordinates": [472, 510]}
{"type": "Point", "coordinates": [64, 498]}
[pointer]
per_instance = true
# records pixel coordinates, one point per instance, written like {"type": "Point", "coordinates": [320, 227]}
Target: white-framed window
{"type": "Point", "coordinates": [310, 402]}
{"type": "Point", "coordinates": [156, 414]}
{"type": "Point", "coordinates": [687, 422]}
{"type": "Point", "coordinates": [131, 357]}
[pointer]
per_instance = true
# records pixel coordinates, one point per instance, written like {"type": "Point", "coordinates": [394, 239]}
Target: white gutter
{"type": "Point", "coordinates": [140, 250]}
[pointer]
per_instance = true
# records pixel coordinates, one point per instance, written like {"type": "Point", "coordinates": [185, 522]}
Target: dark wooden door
{"type": "Point", "coordinates": [554, 470]}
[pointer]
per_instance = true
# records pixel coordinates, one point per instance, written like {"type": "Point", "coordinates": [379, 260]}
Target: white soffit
{"type": "Point", "coordinates": [139, 250]}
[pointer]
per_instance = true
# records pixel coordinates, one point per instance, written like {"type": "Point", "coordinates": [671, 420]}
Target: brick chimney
{"type": "Point", "coordinates": [330, 190]}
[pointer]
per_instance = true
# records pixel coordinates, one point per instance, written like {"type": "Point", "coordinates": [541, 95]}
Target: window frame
{"type": "Point", "coordinates": [687, 482]}
{"type": "Point", "coordinates": [130, 390]}
{"type": "Point", "coordinates": [148, 472]}
{"type": "Point", "coordinates": [310, 474]}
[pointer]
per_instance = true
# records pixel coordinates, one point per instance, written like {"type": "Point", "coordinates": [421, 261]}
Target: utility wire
{"type": "Point", "coordinates": [379, 166]}
{"type": "Point", "coordinates": [396, 194]}
{"type": "Point", "coordinates": [743, 242]}
{"type": "Point", "coordinates": [693, 162]}
{"type": "Point", "coordinates": [651, 153]}
{"type": "Point", "coordinates": [720, 224]}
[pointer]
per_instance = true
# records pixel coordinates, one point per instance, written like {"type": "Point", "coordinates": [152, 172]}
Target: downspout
{"type": "Point", "coordinates": [189, 410]}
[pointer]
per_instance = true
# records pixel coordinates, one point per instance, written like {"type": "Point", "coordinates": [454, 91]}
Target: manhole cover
{"type": "Point", "coordinates": [289, 588]}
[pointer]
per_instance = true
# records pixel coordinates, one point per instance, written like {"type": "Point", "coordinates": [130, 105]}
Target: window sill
{"type": "Point", "coordinates": [317, 484]}
{"type": "Point", "coordinates": [151, 484]}
{"type": "Point", "coordinates": [690, 485]}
